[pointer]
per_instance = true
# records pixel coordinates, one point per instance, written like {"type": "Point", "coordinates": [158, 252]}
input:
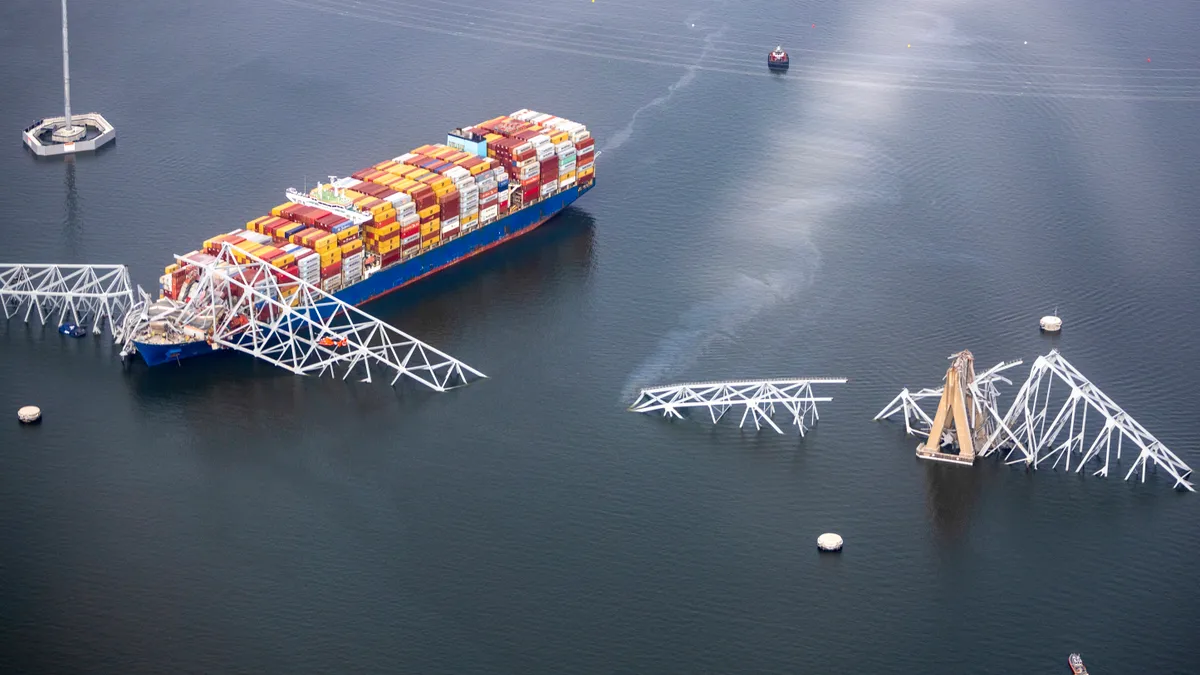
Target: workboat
{"type": "Point", "coordinates": [778, 59]}
{"type": "Point", "coordinates": [1076, 664]}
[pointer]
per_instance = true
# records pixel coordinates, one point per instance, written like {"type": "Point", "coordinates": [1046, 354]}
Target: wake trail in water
{"type": "Point", "coordinates": [689, 74]}
{"type": "Point", "coordinates": [837, 163]}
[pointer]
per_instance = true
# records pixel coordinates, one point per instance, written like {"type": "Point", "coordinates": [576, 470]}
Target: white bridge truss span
{"type": "Point", "coordinates": [79, 292]}
{"type": "Point", "coordinates": [758, 397]}
{"type": "Point", "coordinates": [1044, 437]}
{"type": "Point", "coordinates": [256, 308]}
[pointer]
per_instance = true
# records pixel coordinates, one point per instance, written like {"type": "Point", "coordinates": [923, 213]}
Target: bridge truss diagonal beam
{"type": "Point", "coordinates": [985, 395]}
{"type": "Point", "coordinates": [261, 310]}
{"type": "Point", "coordinates": [1030, 418]}
{"type": "Point", "coordinates": [101, 292]}
{"type": "Point", "coordinates": [759, 399]}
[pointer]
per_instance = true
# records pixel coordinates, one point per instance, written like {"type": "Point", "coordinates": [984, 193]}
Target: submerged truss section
{"type": "Point", "coordinates": [253, 307]}
{"type": "Point", "coordinates": [78, 292]}
{"type": "Point", "coordinates": [1037, 434]}
{"type": "Point", "coordinates": [967, 414]}
{"type": "Point", "coordinates": [758, 397]}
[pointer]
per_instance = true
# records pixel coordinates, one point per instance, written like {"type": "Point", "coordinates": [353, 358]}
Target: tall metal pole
{"type": "Point", "coordinates": [66, 72]}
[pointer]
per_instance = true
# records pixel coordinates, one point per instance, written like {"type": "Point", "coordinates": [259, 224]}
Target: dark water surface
{"type": "Point", "coordinates": [876, 209]}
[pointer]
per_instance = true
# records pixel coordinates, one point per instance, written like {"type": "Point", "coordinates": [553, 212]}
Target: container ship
{"type": "Point", "coordinates": [390, 224]}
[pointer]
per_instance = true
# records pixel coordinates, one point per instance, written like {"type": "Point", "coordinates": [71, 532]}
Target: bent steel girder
{"type": "Point", "coordinates": [261, 310]}
{"type": "Point", "coordinates": [1029, 417]}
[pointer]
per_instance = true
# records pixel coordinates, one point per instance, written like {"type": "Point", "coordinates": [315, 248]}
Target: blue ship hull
{"type": "Point", "coordinates": [401, 274]}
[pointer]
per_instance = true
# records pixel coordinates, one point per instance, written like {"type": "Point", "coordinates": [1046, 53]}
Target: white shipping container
{"type": "Point", "coordinates": [585, 152]}
{"type": "Point", "coordinates": [489, 213]}
{"type": "Point", "coordinates": [456, 173]}
{"type": "Point", "coordinates": [549, 189]}
{"type": "Point", "coordinates": [541, 119]}
{"type": "Point", "coordinates": [410, 239]}
{"type": "Point", "coordinates": [404, 158]}
{"type": "Point", "coordinates": [470, 211]}
{"type": "Point", "coordinates": [566, 183]}
{"type": "Point", "coordinates": [528, 172]}
{"type": "Point", "coordinates": [409, 220]}
{"type": "Point", "coordinates": [398, 199]}
{"type": "Point", "coordinates": [584, 167]}
{"type": "Point", "coordinates": [450, 224]}
{"type": "Point", "coordinates": [561, 148]}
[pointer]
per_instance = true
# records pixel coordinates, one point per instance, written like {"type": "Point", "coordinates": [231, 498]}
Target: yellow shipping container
{"type": "Point", "coordinates": [279, 209]}
{"type": "Point", "coordinates": [330, 256]}
{"type": "Point", "coordinates": [390, 180]}
{"type": "Point", "coordinates": [256, 224]}
{"type": "Point", "coordinates": [381, 231]}
{"type": "Point", "coordinates": [325, 243]}
{"type": "Point", "coordinates": [401, 169]}
{"type": "Point", "coordinates": [429, 243]}
{"type": "Point", "coordinates": [425, 213]}
{"type": "Point", "coordinates": [418, 174]}
{"type": "Point", "coordinates": [347, 234]}
{"type": "Point", "coordinates": [478, 169]}
{"type": "Point", "coordinates": [383, 209]}
{"type": "Point", "coordinates": [566, 176]}
{"type": "Point", "coordinates": [352, 195]}
{"type": "Point", "coordinates": [560, 137]}
{"type": "Point", "coordinates": [467, 220]}
{"type": "Point", "coordinates": [389, 245]}
{"type": "Point", "coordinates": [385, 165]}
{"type": "Point", "coordinates": [443, 190]}
{"type": "Point", "coordinates": [284, 260]}
{"type": "Point", "coordinates": [351, 247]}
{"type": "Point", "coordinates": [171, 269]}
{"type": "Point", "coordinates": [434, 225]}
{"type": "Point", "coordinates": [492, 138]}
{"type": "Point", "coordinates": [442, 183]}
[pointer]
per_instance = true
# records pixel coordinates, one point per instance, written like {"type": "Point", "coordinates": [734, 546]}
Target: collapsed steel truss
{"type": "Point", "coordinates": [101, 292]}
{"type": "Point", "coordinates": [1029, 423]}
{"type": "Point", "coordinates": [258, 309]}
{"type": "Point", "coordinates": [1030, 435]}
{"type": "Point", "coordinates": [985, 397]}
{"type": "Point", "coordinates": [758, 396]}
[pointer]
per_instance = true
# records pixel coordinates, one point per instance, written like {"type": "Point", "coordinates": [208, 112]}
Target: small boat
{"type": "Point", "coordinates": [330, 342]}
{"type": "Point", "coordinates": [1076, 664]}
{"type": "Point", "coordinates": [72, 330]}
{"type": "Point", "coordinates": [778, 59]}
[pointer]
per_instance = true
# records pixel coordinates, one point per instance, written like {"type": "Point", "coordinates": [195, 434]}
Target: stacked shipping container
{"type": "Point", "coordinates": [415, 202]}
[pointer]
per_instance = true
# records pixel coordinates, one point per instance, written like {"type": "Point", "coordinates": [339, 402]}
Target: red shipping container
{"type": "Point", "coordinates": [361, 174]}
{"type": "Point", "coordinates": [449, 203]}
{"type": "Point", "coordinates": [390, 257]}
{"type": "Point", "coordinates": [549, 170]}
{"type": "Point", "coordinates": [530, 194]}
{"type": "Point", "coordinates": [331, 270]}
{"type": "Point", "coordinates": [397, 233]}
{"type": "Point", "coordinates": [290, 212]}
{"type": "Point", "coordinates": [423, 196]}
{"type": "Point", "coordinates": [329, 220]}
{"type": "Point", "coordinates": [292, 269]}
{"type": "Point", "coordinates": [385, 222]}
{"type": "Point", "coordinates": [415, 228]}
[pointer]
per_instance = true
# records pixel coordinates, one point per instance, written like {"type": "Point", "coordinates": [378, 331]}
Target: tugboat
{"type": "Point", "coordinates": [778, 60]}
{"type": "Point", "coordinates": [1076, 664]}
